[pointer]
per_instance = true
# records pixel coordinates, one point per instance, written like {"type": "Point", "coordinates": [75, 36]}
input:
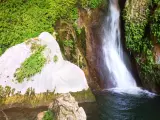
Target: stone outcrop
{"type": "Point", "coordinates": [65, 107]}
{"type": "Point", "coordinates": [56, 75]}
{"type": "Point", "coordinates": [140, 36]}
{"type": "Point", "coordinates": [86, 51]}
{"type": "Point", "coordinates": [91, 21]}
{"type": "Point", "coordinates": [41, 115]}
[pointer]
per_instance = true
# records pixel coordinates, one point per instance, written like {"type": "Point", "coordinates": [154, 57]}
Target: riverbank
{"type": "Point", "coordinates": [20, 113]}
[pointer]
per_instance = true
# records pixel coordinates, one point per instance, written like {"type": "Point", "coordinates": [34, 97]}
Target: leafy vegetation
{"type": "Point", "coordinates": [138, 29]}
{"type": "Point", "coordinates": [68, 43]}
{"type": "Point", "coordinates": [31, 65]}
{"type": "Point", "coordinates": [35, 47]}
{"type": "Point", "coordinates": [90, 3]}
{"type": "Point", "coordinates": [48, 115]}
{"type": "Point", "coordinates": [21, 20]}
{"type": "Point", "coordinates": [6, 92]}
{"type": "Point", "coordinates": [24, 19]}
{"type": "Point", "coordinates": [9, 95]}
{"type": "Point", "coordinates": [155, 22]}
{"type": "Point", "coordinates": [156, 1]}
{"type": "Point", "coordinates": [135, 25]}
{"type": "Point", "coordinates": [84, 96]}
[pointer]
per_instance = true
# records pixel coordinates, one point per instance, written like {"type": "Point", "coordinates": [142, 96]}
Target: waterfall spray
{"type": "Point", "coordinates": [119, 75]}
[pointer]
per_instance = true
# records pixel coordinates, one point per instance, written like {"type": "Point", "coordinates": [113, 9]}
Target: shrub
{"type": "Point", "coordinates": [90, 3]}
{"type": "Point", "coordinates": [48, 115]}
{"type": "Point", "coordinates": [155, 26]}
{"type": "Point", "coordinates": [21, 20]}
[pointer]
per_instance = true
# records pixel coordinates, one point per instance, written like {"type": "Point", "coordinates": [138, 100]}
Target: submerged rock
{"type": "Point", "coordinates": [56, 74]}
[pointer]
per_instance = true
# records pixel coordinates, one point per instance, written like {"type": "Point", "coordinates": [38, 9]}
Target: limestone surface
{"type": "Point", "coordinates": [57, 74]}
{"type": "Point", "coordinates": [66, 108]}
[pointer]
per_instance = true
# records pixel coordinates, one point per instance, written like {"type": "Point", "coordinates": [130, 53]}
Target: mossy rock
{"type": "Point", "coordinates": [32, 65]}
{"type": "Point", "coordinates": [140, 31]}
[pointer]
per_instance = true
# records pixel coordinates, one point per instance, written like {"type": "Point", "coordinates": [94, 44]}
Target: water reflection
{"type": "Point", "coordinates": [117, 106]}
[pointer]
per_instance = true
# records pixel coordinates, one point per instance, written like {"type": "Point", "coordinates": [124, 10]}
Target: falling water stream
{"type": "Point", "coordinates": [123, 100]}
{"type": "Point", "coordinates": [113, 52]}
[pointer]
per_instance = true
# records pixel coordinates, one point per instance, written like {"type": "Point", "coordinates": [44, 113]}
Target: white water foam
{"type": "Point", "coordinates": [136, 91]}
{"type": "Point", "coordinates": [113, 51]}
{"type": "Point", "coordinates": [122, 79]}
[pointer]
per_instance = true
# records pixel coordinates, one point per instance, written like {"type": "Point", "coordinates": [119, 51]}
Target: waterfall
{"type": "Point", "coordinates": [119, 75]}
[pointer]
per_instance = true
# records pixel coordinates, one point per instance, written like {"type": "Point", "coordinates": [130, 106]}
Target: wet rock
{"type": "Point", "coordinates": [91, 21]}
{"type": "Point", "coordinates": [157, 53]}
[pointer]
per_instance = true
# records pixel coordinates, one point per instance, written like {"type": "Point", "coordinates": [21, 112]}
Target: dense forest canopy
{"type": "Point", "coordinates": [24, 19]}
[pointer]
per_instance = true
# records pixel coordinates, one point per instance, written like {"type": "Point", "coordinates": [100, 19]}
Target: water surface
{"type": "Point", "coordinates": [124, 106]}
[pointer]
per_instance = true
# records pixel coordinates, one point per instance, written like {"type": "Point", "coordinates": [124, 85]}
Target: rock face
{"type": "Point", "coordinates": [86, 51]}
{"type": "Point", "coordinates": [92, 21]}
{"type": "Point", "coordinates": [157, 53]}
{"type": "Point", "coordinates": [41, 115]}
{"type": "Point", "coordinates": [56, 75]}
{"type": "Point", "coordinates": [66, 108]}
{"type": "Point", "coordinates": [141, 35]}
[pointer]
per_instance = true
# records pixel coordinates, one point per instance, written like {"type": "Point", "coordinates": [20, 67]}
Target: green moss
{"type": "Point", "coordinates": [68, 43]}
{"type": "Point", "coordinates": [9, 97]}
{"type": "Point", "coordinates": [155, 26]}
{"type": "Point", "coordinates": [136, 19]}
{"type": "Point", "coordinates": [24, 19]}
{"type": "Point", "coordinates": [35, 47]}
{"type": "Point", "coordinates": [84, 96]}
{"type": "Point", "coordinates": [48, 115]}
{"type": "Point", "coordinates": [55, 58]}
{"type": "Point", "coordinates": [21, 20]}
{"type": "Point", "coordinates": [82, 40]}
{"type": "Point", "coordinates": [90, 3]}
{"type": "Point", "coordinates": [156, 1]}
{"type": "Point", "coordinates": [31, 65]}
{"type": "Point", "coordinates": [33, 100]}
{"type": "Point", "coordinates": [139, 26]}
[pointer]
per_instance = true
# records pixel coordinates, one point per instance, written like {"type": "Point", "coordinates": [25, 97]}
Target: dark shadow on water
{"type": "Point", "coordinates": [31, 113]}
{"type": "Point", "coordinates": [115, 106]}
{"type": "Point", "coordinates": [109, 106]}
{"type": "Point", "coordinates": [91, 110]}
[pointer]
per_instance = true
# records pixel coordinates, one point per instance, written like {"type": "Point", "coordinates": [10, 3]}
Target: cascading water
{"type": "Point", "coordinates": [119, 75]}
{"type": "Point", "coordinates": [122, 100]}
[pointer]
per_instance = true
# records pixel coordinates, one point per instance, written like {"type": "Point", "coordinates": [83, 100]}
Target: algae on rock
{"type": "Point", "coordinates": [31, 65]}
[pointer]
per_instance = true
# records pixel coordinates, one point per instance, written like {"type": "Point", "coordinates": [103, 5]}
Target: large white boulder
{"type": "Point", "coordinates": [60, 76]}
